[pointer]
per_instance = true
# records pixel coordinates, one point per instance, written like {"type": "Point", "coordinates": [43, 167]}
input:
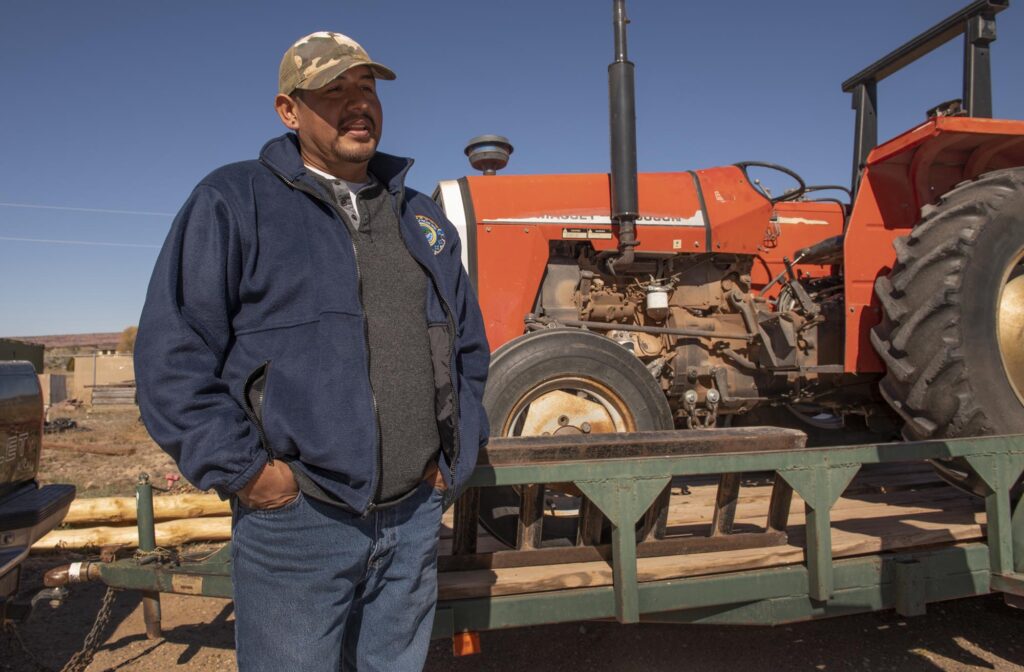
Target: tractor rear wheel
{"type": "Point", "coordinates": [558, 382]}
{"type": "Point", "coordinates": [952, 333]}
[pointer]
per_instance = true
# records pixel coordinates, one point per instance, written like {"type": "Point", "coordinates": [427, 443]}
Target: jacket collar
{"type": "Point", "coordinates": [282, 156]}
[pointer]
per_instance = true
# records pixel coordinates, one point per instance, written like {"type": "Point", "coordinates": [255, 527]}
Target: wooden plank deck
{"type": "Point", "coordinates": [886, 508]}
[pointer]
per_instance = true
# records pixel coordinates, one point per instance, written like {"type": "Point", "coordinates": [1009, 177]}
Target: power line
{"type": "Point", "coordinates": [74, 209]}
{"type": "Point", "coordinates": [77, 242]}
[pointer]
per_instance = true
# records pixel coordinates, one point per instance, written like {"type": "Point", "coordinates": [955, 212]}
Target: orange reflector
{"type": "Point", "coordinates": [465, 643]}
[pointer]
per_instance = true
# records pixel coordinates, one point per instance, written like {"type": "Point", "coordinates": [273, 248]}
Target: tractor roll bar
{"type": "Point", "coordinates": [977, 22]}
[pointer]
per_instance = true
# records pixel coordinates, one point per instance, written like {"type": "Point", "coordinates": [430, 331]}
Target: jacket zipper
{"type": "Point", "coordinates": [450, 315]}
{"type": "Point", "coordinates": [366, 342]}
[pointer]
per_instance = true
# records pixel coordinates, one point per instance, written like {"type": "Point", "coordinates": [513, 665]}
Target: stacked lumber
{"type": "Point", "coordinates": [113, 395]}
{"type": "Point", "coordinates": [105, 521]}
{"type": "Point", "coordinates": [884, 510]}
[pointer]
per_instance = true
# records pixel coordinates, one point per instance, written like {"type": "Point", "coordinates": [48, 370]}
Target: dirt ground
{"type": "Point", "coordinates": [105, 455]}
{"type": "Point", "coordinates": [975, 634]}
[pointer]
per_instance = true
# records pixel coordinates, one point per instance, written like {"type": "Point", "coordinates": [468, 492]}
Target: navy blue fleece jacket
{"type": "Point", "coordinates": [252, 342]}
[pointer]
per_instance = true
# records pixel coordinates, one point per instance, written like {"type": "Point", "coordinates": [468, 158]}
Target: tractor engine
{"type": "Point", "coordinates": [717, 346]}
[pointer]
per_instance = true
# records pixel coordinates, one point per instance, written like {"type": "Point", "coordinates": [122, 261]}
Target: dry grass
{"type": "Point", "coordinates": [106, 455]}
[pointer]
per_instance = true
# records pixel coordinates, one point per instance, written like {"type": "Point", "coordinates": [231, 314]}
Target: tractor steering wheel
{"type": "Point", "coordinates": [791, 195]}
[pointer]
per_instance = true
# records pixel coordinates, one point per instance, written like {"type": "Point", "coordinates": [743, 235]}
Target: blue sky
{"type": "Point", "coordinates": [117, 105]}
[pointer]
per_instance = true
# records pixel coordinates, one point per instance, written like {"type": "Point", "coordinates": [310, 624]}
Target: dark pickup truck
{"type": "Point", "coordinates": [27, 511]}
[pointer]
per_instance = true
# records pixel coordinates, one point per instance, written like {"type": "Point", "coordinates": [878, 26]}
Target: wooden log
{"type": "Point", "coordinates": [531, 517]}
{"type": "Point", "coordinates": [569, 447]}
{"type": "Point", "coordinates": [169, 534]}
{"type": "Point", "coordinates": [465, 522]}
{"type": "Point", "coordinates": [872, 538]}
{"type": "Point", "coordinates": [725, 505]}
{"type": "Point", "coordinates": [122, 509]}
{"type": "Point", "coordinates": [91, 448]}
{"type": "Point", "coordinates": [591, 524]}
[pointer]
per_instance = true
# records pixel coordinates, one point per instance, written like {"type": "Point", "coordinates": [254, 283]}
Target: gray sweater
{"type": "Point", "coordinates": [393, 289]}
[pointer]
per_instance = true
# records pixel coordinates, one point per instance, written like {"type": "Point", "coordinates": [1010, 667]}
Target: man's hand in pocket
{"type": "Point", "coordinates": [272, 488]}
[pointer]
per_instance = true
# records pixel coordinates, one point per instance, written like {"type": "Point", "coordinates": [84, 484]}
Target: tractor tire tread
{"type": "Point", "coordinates": [920, 338]}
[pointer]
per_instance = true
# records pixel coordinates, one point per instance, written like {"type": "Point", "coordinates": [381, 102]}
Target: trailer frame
{"type": "Point", "coordinates": [623, 474]}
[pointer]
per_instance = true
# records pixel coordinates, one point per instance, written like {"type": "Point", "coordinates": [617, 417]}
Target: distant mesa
{"type": "Point", "coordinates": [101, 342]}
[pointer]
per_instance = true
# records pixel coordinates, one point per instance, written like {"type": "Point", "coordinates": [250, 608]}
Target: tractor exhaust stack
{"type": "Point", "coordinates": [622, 118]}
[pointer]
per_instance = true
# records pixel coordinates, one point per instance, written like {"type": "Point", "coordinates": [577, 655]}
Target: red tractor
{"type": "Point", "coordinates": [695, 299]}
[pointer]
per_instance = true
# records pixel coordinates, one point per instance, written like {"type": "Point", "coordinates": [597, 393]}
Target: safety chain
{"type": "Point", "coordinates": [11, 629]}
{"type": "Point", "coordinates": [158, 554]}
{"type": "Point", "coordinates": [81, 659]}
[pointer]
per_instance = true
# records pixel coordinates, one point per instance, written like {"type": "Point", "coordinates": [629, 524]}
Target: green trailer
{"type": "Point", "coordinates": [688, 527]}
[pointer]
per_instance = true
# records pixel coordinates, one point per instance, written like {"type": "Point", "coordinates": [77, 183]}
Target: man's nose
{"type": "Point", "coordinates": [359, 101]}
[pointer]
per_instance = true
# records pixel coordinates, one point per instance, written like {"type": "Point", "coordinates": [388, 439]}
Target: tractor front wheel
{"type": "Point", "coordinates": [952, 333]}
{"type": "Point", "coordinates": [561, 382]}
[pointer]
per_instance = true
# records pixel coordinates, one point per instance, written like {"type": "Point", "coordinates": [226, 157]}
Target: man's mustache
{"type": "Point", "coordinates": [352, 121]}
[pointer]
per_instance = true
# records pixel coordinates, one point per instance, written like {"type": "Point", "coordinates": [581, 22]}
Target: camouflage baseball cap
{"type": "Point", "coordinates": [319, 58]}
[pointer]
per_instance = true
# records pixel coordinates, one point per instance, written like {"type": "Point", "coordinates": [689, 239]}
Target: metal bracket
{"type": "Point", "coordinates": [911, 588]}
{"type": "Point", "coordinates": [623, 502]}
{"type": "Point", "coordinates": [1000, 472]}
{"type": "Point", "coordinates": [820, 487]}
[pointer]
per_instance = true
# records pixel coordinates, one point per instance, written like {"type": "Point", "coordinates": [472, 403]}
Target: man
{"type": "Point", "coordinates": [311, 348]}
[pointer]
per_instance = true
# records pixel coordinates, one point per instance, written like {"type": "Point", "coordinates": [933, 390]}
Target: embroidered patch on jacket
{"type": "Point", "coordinates": [433, 232]}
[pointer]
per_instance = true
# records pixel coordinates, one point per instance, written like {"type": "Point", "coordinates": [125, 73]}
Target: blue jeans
{"type": "Point", "coordinates": [318, 589]}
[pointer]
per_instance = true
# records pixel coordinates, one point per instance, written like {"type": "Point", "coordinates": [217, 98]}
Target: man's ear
{"type": "Point", "coordinates": [286, 109]}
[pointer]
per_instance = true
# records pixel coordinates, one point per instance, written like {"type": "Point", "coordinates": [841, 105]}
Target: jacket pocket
{"type": "Point", "coordinates": [255, 392]}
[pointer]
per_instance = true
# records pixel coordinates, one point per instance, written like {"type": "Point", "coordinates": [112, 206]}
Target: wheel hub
{"type": "Point", "coordinates": [560, 412]}
{"type": "Point", "coordinates": [569, 406]}
{"type": "Point", "coordinates": [1011, 329]}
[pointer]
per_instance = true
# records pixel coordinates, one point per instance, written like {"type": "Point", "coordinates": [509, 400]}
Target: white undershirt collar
{"type": "Point", "coordinates": [353, 187]}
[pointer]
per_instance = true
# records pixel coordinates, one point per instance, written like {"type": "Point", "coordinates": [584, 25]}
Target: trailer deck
{"type": "Point", "coordinates": [886, 509]}
{"type": "Point", "coordinates": [873, 528]}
